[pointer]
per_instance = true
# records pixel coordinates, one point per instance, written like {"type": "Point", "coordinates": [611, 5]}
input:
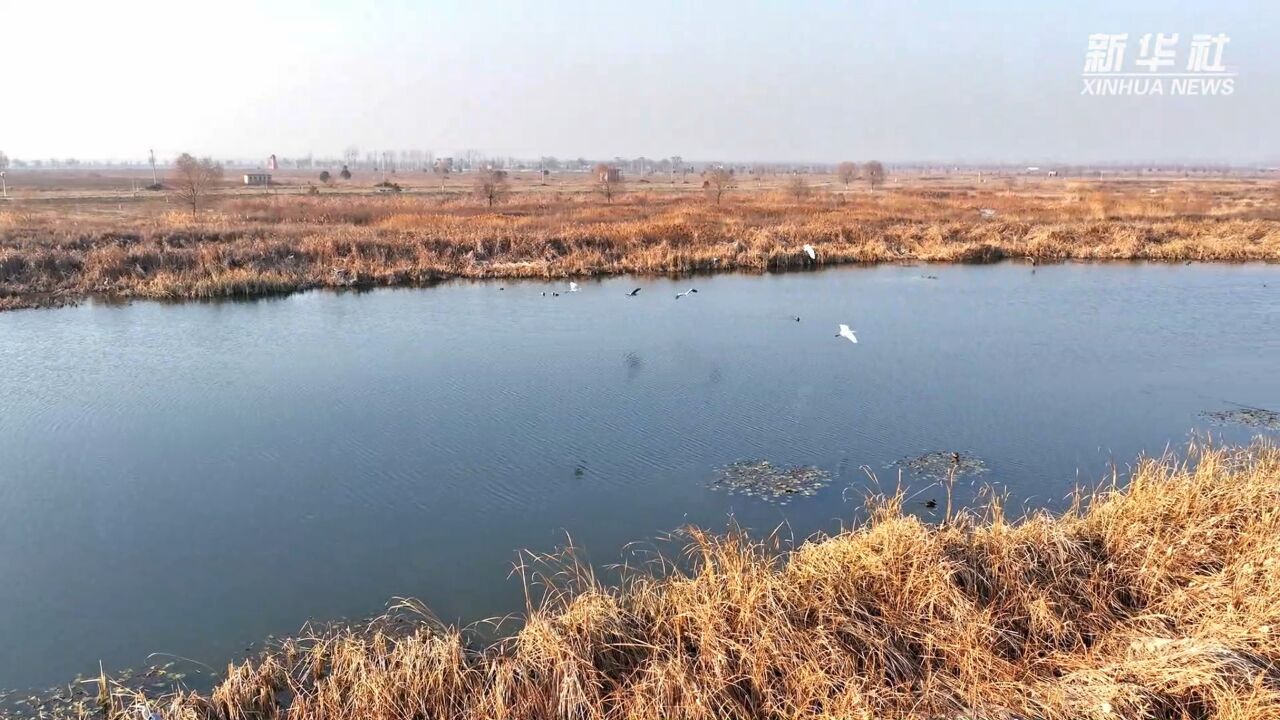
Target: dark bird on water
{"type": "Point", "coordinates": [633, 293]}
{"type": "Point", "coordinates": [797, 318]}
{"type": "Point", "coordinates": [955, 458]}
{"type": "Point", "coordinates": [931, 503]}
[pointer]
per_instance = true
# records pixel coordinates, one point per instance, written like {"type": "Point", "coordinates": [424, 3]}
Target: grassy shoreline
{"type": "Point", "coordinates": [258, 246]}
{"type": "Point", "coordinates": [1158, 600]}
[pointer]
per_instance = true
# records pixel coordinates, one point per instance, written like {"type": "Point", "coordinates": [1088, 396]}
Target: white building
{"type": "Point", "coordinates": [257, 178]}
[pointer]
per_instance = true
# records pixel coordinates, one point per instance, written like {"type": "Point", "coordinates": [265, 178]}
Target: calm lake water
{"type": "Point", "coordinates": [190, 478]}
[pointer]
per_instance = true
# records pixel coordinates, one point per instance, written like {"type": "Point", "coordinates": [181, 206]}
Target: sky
{"type": "Point", "coordinates": [743, 80]}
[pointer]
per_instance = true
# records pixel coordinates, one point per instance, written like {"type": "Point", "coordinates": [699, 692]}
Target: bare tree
{"type": "Point", "coordinates": [847, 172]}
{"type": "Point", "coordinates": [874, 172]}
{"type": "Point", "coordinates": [325, 177]}
{"type": "Point", "coordinates": [798, 187]}
{"type": "Point", "coordinates": [491, 185]}
{"type": "Point", "coordinates": [193, 179]}
{"type": "Point", "coordinates": [608, 180]}
{"type": "Point", "coordinates": [716, 182]}
{"type": "Point", "coordinates": [441, 169]}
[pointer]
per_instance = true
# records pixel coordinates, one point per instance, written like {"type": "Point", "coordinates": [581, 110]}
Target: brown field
{"type": "Point", "coordinates": [1160, 600]}
{"type": "Point", "coordinates": [65, 236]}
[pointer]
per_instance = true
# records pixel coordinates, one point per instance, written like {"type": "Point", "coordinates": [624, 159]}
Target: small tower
{"type": "Point", "coordinates": [272, 164]}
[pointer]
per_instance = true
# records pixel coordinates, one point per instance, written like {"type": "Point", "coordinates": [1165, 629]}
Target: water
{"type": "Point", "coordinates": [191, 478]}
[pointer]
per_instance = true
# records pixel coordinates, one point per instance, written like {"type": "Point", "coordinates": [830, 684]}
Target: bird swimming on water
{"type": "Point", "coordinates": [686, 292]}
{"type": "Point", "coordinates": [845, 332]}
{"type": "Point", "coordinates": [573, 286]}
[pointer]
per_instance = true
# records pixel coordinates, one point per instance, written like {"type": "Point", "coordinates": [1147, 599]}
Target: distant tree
{"type": "Point", "coordinates": [847, 172]}
{"type": "Point", "coordinates": [716, 183]}
{"type": "Point", "coordinates": [325, 177]}
{"type": "Point", "coordinates": [345, 174]}
{"type": "Point", "coordinates": [193, 179]}
{"type": "Point", "coordinates": [798, 187]}
{"type": "Point", "coordinates": [442, 170]}
{"type": "Point", "coordinates": [875, 173]}
{"type": "Point", "coordinates": [491, 186]}
{"type": "Point", "coordinates": [608, 180]}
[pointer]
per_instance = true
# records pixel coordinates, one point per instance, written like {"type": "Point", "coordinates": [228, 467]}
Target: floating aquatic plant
{"type": "Point", "coordinates": [941, 465]}
{"type": "Point", "coordinates": [763, 479]}
{"type": "Point", "coordinates": [1247, 416]}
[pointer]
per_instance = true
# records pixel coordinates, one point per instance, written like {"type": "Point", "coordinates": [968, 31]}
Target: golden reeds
{"type": "Point", "coordinates": [1158, 600]}
{"type": "Point", "coordinates": [253, 246]}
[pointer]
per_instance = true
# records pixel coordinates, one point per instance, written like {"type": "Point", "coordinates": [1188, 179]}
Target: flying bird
{"type": "Point", "coordinates": [845, 332]}
{"type": "Point", "coordinates": [573, 286]}
{"type": "Point", "coordinates": [808, 249]}
{"type": "Point", "coordinates": [686, 292]}
{"type": "Point", "coordinates": [633, 293]}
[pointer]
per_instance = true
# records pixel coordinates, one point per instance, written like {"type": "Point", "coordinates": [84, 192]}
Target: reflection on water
{"type": "Point", "coordinates": [191, 478]}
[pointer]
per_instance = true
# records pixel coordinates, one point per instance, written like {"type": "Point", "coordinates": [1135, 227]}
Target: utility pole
{"type": "Point", "coordinates": [4, 187]}
{"type": "Point", "coordinates": [152, 160]}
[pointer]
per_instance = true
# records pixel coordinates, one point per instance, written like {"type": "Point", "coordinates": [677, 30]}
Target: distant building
{"type": "Point", "coordinates": [612, 175]}
{"type": "Point", "coordinates": [257, 178]}
{"type": "Point", "coordinates": [272, 163]}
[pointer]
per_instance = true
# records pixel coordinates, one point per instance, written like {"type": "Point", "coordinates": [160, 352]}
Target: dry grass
{"type": "Point", "coordinates": [1161, 600]}
{"type": "Point", "coordinates": [51, 252]}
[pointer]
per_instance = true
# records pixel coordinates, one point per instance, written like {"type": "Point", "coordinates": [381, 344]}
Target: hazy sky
{"type": "Point", "coordinates": [734, 80]}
